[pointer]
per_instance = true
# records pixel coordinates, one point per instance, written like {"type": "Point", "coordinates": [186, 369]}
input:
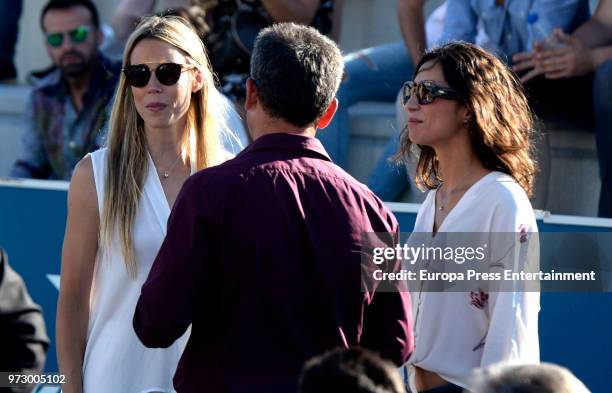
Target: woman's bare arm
{"type": "Point", "coordinates": [78, 261]}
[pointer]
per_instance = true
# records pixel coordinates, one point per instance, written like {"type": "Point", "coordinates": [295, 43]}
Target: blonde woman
{"type": "Point", "coordinates": [472, 127]}
{"type": "Point", "coordinates": [163, 128]}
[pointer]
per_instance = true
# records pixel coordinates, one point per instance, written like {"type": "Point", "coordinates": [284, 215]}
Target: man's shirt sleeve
{"type": "Point", "coordinates": [387, 325]}
{"type": "Point", "coordinates": [169, 296]}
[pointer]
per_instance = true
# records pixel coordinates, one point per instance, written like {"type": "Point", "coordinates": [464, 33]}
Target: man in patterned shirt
{"type": "Point", "coordinates": [69, 106]}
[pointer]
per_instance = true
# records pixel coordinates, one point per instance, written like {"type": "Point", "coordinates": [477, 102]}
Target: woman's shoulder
{"type": "Point", "coordinates": [82, 184]}
{"type": "Point", "coordinates": [98, 161]}
{"type": "Point", "coordinates": [83, 171]}
{"type": "Point", "coordinates": [99, 154]}
{"type": "Point", "coordinates": [90, 173]}
{"type": "Point", "coordinates": [505, 189]}
{"type": "Point", "coordinates": [428, 202]}
{"type": "Point", "coordinates": [511, 205]}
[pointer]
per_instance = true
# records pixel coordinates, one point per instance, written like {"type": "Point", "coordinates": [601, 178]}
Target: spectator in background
{"type": "Point", "coordinates": [531, 378]}
{"type": "Point", "coordinates": [23, 336]}
{"type": "Point", "coordinates": [352, 370]}
{"type": "Point", "coordinates": [263, 253]}
{"type": "Point", "coordinates": [68, 108]}
{"type": "Point", "coordinates": [375, 74]}
{"type": "Point", "coordinates": [229, 27]}
{"type": "Point", "coordinates": [506, 26]}
{"type": "Point", "coordinates": [10, 11]}
{"type": "Point", "coordinates": [582, 68]}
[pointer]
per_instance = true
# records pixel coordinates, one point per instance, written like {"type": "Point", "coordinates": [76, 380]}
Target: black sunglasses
{"type": "Point", "coordinates": [426, 92]}
{"type": "Point", "coordinates": [77, 36]}
{"type": "Point", "coordinates": [138, 75]}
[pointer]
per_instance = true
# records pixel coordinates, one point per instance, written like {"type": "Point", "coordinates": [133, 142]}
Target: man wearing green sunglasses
{"type": "Point", "coordinates": [70, 103]}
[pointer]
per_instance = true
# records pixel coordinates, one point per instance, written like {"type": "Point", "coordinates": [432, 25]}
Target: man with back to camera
{"type": "Point", "coordinates": [68, 107]}
{"type": "Point", "coordinates": [263, 253]}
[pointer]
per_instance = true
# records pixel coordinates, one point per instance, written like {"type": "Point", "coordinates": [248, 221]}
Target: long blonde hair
{"type": "Point", "coordinates": [502, 126]}
{"type": "Point", "coordinates": [127, 161]}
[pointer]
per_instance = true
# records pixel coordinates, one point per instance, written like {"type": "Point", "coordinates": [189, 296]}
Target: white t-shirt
{"type": "Point", "coordinates": [454, 334]}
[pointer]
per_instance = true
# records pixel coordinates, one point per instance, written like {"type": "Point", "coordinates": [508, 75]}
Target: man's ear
{"type": "Point", "coordinates": [251, 95]}
{"type": "Point", "coordinates": [328, 115]}
{"type": "Point", "coordinates": [198, 81]}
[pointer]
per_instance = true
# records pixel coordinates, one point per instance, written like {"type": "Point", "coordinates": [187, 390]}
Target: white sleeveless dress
{"type": "Point", "coordinates": [115, 360]}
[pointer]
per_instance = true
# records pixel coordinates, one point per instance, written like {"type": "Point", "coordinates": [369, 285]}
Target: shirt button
{"type": "Point", "coordinates": [72, 145]}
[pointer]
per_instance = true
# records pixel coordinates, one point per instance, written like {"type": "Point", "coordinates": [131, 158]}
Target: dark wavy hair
{"type": "Point", "coordinates": [501, 127]}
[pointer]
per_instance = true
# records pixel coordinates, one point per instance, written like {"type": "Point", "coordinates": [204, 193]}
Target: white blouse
{"type": "Point", "coordinates": [456, 333]}
{"type": "Point", "coordinates": [115, 360]}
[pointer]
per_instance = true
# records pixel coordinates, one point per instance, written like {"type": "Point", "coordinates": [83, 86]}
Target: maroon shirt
{"type": "Point", "coordinates": [263, 257]}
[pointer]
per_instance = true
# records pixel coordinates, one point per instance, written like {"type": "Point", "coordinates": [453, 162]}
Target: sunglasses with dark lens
{"type": "Point", "coordinates": [77, 36]}
{"type": "Point", "coordinates": [426, 92]}
{"type": "Point", "coordinates": [138, 75]}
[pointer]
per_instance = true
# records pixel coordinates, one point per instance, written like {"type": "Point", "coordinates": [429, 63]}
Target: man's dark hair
{"type": "Point", "coordinates": [297, 71]}
{"type": "Point", "coordinates": [353, 370]}
{"type": "Point", "coordinates": [63, 4]}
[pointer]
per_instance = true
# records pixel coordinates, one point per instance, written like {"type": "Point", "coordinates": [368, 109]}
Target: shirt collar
{"type": "Point", "coordinates": [287, 141]}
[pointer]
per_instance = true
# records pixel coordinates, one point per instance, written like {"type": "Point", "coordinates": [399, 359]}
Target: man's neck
{"type": "Point", "coordinates": [279, 126]}
{"type": "Point", "coordinates": [302, 133]}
